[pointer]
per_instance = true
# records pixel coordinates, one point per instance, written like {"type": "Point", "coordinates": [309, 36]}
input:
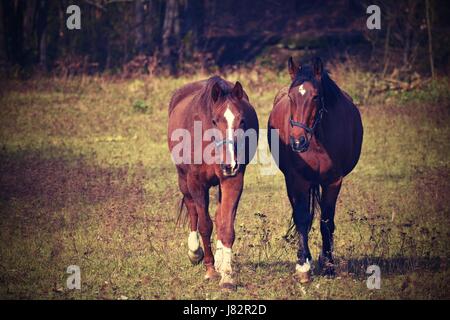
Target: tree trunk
{"type": "Point", "coordinates": [13, 13]}
{"type": "Point", "coordinates": [139, 16]}
{"type": "Point", "coordinates": [171, 35]}
{"type": "Point", "coordinates": [41, 31]}
{"type": "Point", "coordinates": [430, 39]}
{"type": "Point", "coordinates": [195, 17]}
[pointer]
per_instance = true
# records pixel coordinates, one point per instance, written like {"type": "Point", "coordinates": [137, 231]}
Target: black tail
{"type": "Point", "coordinates": [314, 199]}
{"type": "Point", "coordinates": [182, 217]}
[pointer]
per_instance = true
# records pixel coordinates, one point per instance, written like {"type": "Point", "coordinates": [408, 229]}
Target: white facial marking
{"type": "Point", "coordinates": [301, 90]}
{"type": "Point", "coordinates": [193, 241]}
{"type": "Point", "coordinates": [229, 117]}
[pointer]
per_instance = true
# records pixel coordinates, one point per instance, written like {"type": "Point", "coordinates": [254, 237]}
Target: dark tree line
{"type": "Point", "coordinates": [34, 32]}
{"type": "Point", "coordinates": [145, 35]}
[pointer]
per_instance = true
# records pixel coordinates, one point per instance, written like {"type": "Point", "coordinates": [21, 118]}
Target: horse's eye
{"type": "Point", "coordinates": [242, 124]}
{"type": "Point", "coordinates": [214, 123]}
{"type": "Point", "coordinates": [316, 98]}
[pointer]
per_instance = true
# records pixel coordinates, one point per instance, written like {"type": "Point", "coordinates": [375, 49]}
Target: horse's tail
{"type": "Point", "coordinates": [182, 214]}
{"type": "Point", "coordinates": [314, 201]}
{"type": "Point", "coordinates": [314, 198]}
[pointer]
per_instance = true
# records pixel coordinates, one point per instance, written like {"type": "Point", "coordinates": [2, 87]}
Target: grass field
{"type": "Point", "coordinates": [86, 179]}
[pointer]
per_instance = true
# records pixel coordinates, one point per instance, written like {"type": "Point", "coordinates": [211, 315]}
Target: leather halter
{"type": "Point", "coordinates": [309, 130]}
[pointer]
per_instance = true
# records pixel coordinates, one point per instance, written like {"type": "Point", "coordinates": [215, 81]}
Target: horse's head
{"type": "Point", "coordinates": [228, 118]}
{"type": "Point", "coordinates": [306, 102]}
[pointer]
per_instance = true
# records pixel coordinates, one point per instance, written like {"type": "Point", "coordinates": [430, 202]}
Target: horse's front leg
{"type": "Point", "coordinates": [298, 193]}
{"type": "Point", "coordinates": [200, 195]}
{"type": "Point", "coordinates": [303, 220]}
{"type": "Point", "coordinates": [231, 190]}
{"type": "Point", "coordinates": [328, 206]}
{"type": "Point", "coordinates": [217, 219]}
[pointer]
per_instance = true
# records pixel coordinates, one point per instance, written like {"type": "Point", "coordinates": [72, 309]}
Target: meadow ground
{"type": "Point", "coordinates": [86, 179]}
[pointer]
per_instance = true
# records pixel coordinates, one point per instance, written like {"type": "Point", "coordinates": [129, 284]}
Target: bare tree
{"type": "Point", "coordinates": [41, 15]}
{"type": "Point", "coordinates": [430, 39]}
{"type": "Point", "coordinates": [13, 17]}
{"type": "Point", "coordinates": [140, 27]}
{"type": "Point", "coordinates": [171, 34]}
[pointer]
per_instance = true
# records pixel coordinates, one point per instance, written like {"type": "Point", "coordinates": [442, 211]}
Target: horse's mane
{"type": "Point", "coordinates": [281, 94]}
{"type": "Point", "coordinates": [183, 92]}
{"type": "Point", "coordinates": [331, 90]}
{"type": "Point", "coordinates": [203, 98]}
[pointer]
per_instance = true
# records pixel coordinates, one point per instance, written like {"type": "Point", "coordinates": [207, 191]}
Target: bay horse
{"type": "Point", "coordinates": [320, 136]}
{"type": "Point", "coordinates": [217, 106]}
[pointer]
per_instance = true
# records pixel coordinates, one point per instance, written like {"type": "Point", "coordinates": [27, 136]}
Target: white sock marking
{"type": "Point", "coordinates": [225, 269]}
{"type": "Point", "coordinates": [193, 241]}
{"type": "Point", "coordinates": [303, 267]}
{"type": "Point", "coordinates": [226, 261]}
{"type": "Point", "coordinates": [218, 257]}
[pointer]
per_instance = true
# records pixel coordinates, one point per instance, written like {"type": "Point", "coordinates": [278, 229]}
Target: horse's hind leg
{"type": "Point", "coordinates": [328, 206]}
{"type": "Point", "coordinates": [200, 196]}
{"type": "Point", "coordinates": [195, 252]}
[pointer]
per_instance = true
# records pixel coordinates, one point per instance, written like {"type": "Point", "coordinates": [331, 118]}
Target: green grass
{"type": "Point", "coordinates": [86, 179]}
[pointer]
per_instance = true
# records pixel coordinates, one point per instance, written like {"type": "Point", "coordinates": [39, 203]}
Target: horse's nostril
{"type": "Point", "coordinates": [229, 170]}
{"type": "Point", "coordinates": [302, 140]}
{"type": "Point", "coordinates": [226, 167]}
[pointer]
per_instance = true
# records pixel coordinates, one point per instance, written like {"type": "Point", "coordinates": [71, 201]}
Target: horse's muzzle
{"type": "Point", "coordinates": [299, 145]}
{"type": "Point", "coordinates": [229, 170]}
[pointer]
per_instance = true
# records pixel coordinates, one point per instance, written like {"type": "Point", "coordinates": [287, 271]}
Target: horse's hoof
{"type": "Point", "coordinates": [303, 271]}
{"type": "Point", "coordinates": [329, 272]}
{"type": "Point", "coordinates": [228, 286]}
{"type": "Point", "coordinates": [196, 256]}
{"type": "Point", "coordinates": [326, 267]}
{"type": "Point", "coordinates": [227, 283]}
{"type": "Point", "coordinates": [303, 277]}
{"type": "Point", "coordinates": [211, 274]}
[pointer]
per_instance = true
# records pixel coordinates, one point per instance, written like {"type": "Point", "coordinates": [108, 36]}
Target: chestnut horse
{"type": "Point", "coordinates": [217, 106]}
{"type": "Point", "coordinates": [320, 136]}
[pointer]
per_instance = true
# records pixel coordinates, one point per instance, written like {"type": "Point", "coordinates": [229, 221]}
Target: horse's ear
{"type": "Point", "coordinates": [216, 92]}
{"type": "Point", "coordinates": [238, 91]}
{"type": "Point", "coordinates": [292, 68]}
{"type": "Point", "coordinates": [318, 68]}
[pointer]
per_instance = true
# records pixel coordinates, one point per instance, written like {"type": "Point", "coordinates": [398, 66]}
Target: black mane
{"type": "Point", "coordinates": [330, 88]}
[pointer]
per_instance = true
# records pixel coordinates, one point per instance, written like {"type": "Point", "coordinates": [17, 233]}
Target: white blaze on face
{"type": "Point", "coordinates": [301, 90]}
{"type": "Point", "coordinates": [229, 117]}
